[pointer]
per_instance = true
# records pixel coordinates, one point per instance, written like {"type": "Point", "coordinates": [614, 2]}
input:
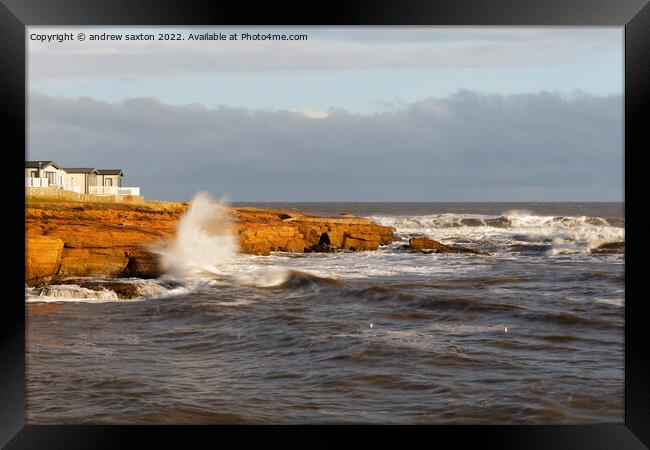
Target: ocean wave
{"type": "Point", "coordinates": [95, 290]}
{"type": "Point", "coordinates": [71, 291]}
{"type": "Point", "coordinates": [515, 231]}
{"type": "Point", "coordinates": [510, 219]}
{"type": "Point", "coordinates": [297, 280]}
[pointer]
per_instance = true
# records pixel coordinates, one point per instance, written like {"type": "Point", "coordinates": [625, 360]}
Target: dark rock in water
{"type": "Point", "coordinates": [533, 238]}
{"type": "Point", "coordinates": [170, 284]}
{"type": "Point", "coordinates": [610, 247]}
{"type": "Point", "coordinates": [145, 266]}
{"type": "Point", "coordinates": [528, 248]}
{"type": "Point", "coordinates": [499, 222]}
{"type": "Point", "coordinates": [319, 248]}
{"type": "Point", "coordinates": [324, 240]}
{"type": "Point", "coordinates": [123, 289]}
{"type": "Point", "coordinates": [469, 222]}
{"type": "Point", "coordinates": [426, 245]}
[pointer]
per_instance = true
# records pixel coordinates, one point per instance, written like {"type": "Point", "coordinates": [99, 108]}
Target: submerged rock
{"type": "Point", "coordinates": [538, 248]}
{"type": "Point", "coordinates": [121, 289]}
{"type": "Point", "coordinates": [74, 291]}
{"type": "Point", "coordinates": [323, 245]}
{"type": "Point", "coordinates": [610, 247]}
{"type": "Point", "coordinates": [499, 222]}
{"type": "Point", "coordinates": [426, 245]}
{"type": "Point", "coordinates": [472, 222]}
{"type": "Point", "coordinates": [319, 248]}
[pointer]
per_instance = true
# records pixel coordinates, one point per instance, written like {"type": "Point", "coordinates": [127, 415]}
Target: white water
{"type": "Point", "coordinates": [75, 293]}
{"type": "Point", "coordinates": [565, 235]}
{"type": "Point", "coordinates": [205, 252]}
{"type": "Point", "coordinates": [204, 240]}
{"type": "Point", "coordinates": [69, 291]}
{"type": "Point", "coordinates": [205, 247]}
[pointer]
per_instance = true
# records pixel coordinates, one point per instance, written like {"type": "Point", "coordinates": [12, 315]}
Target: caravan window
{"type": "Point", "coordinates": [50, 177]}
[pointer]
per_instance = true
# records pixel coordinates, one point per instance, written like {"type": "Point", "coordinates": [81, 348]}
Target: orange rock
{"type": "Point", "coordinates": [261, 247]}
{"type": "Point", "coordinates": [426, 244]}
{"type": "Point", "coordinates": [144, 266]}
{"type": "Point", "coordinates": [42, 257]}
{"type": "Point", "coordinates": [115, 238]}
{"type": "Point", "coordinates": [336, 237]}
{"type": "Point", "coordinates": [295, 246]}
{"type": "Point", "coordinates": [93, 265]}
{"type": "Point", "coordinates": [360, 241]}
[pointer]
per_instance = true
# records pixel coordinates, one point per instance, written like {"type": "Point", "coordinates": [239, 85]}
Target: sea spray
{"type": "Point", "coordinates": [563, 234]}
{"type": "Point", "coordinates": [204, 240]}
{"type": "Point", "coordinates": [205, 247]}
{"type": "Point", "coordinates": [264, 277]}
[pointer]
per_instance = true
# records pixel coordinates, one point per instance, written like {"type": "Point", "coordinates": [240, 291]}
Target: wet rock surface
{"type": "Point", "coordinates": [426, 245]}
{"type": "Point", "coordinates": [610, 247]}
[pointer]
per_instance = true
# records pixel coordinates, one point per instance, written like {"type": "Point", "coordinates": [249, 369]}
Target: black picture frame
{"type": "Point", "coordinates": [634, 15]}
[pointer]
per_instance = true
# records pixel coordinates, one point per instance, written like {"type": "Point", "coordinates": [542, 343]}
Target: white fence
{"type": "Point", "coordinates": [128, 191]}
{"type": "Point", "coordinates": [37, 182]}
{"type": "Point", "coordinates": [113, 190]}
{"type": "Point", "coordinates": [96, 190]}
{"type": "Point", "coordinates": [72, 188]}
{"type": "Point", "coordinates": [44, 183]}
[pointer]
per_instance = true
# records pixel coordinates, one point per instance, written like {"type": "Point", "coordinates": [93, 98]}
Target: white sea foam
{"type": "Point", "coordinates": [468, 330]}
{"type": "Point", "coordinates": [620, 302]}
{"type": "Point", "coordinates": [204, 251]}
{"type": "Point", "coordinates": [564, 235]}
{"type": "Point", "coordinates": [242, 302]}
{"type": "Point", "coordinates": [264, 277]}
{"type": "Point", "coordinates": [204, 240]}
{"type": "Point", "coordinates": [145, 289]}
{"type": "Point", "coordinates": [71, 291]}
{"type": "Point", "coordinates": [205, 248]}
{"type": "Point", "coordinates": [77, 300]}
{"type": "Point", "coordinates": [275, 270]}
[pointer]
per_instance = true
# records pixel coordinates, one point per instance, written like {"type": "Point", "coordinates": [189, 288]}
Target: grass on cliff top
{"type": "Point", "coordinates": [149, 206]}
{"type": "Point", "coordinates": [50, 202]}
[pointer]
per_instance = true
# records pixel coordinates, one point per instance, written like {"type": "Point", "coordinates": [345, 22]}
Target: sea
{"type": "Point", "coordinates": [531, 333]}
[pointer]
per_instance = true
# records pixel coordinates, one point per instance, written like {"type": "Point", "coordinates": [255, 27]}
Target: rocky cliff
{"type": "Point", "coordinates": [65, 239]}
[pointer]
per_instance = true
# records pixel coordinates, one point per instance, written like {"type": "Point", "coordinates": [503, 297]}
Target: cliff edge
{"type": "Point", "coordinates": [65, 239]}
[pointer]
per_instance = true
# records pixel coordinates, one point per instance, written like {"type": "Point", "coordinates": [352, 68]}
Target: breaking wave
{"type": "Point", "coordinates": [103, 290]}
{"type": "Point", "coordinates": [68, 291]}
{"type": "Point", "coordinates": [204, 240]}
{"type": "Point", "coordinates": [206, 247]}
{"type": "Point", "coordinates": [517, 230]}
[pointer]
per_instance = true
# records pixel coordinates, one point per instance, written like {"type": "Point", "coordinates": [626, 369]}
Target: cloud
{"type": "Point", "coordinates": [328, 48]}
{"type": "Point", "coordinates": [468, 146]}
{"type": "Point", "coordinates": [311, 113]}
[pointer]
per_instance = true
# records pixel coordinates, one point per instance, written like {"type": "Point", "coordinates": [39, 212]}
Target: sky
{"type": "Point", "coordinates": [349, 114]}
